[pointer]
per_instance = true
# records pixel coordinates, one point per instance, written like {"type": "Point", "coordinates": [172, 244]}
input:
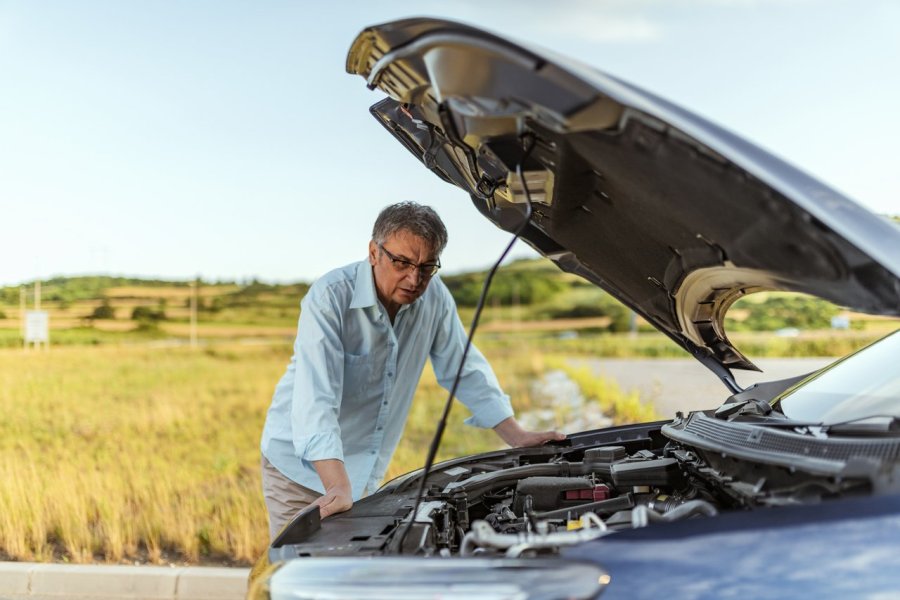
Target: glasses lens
{"type": "Point", "coordinates": [404, 266]}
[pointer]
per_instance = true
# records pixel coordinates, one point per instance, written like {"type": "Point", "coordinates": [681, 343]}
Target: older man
{"type": "Point", "coordinates": [364, 335]}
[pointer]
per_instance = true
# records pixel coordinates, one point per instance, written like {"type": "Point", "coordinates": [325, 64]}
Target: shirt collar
{"type": "Point", "coordinates": [364, 295]}
{"type": "Point", "coordinates": [364, 290]}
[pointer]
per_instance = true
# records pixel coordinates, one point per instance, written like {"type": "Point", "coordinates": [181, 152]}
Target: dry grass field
{"type": "Point", "coordinates": [137, 453]}
{"type": "Point", "coordinates": [119, 453]}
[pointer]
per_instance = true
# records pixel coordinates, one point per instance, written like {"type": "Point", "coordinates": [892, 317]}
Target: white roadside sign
{"type": "Point", "coordinates": [37, 326]}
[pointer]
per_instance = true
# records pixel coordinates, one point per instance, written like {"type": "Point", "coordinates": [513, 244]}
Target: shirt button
{"type": "Point", "coordinates": [385, 403]}
{"type": "Point", "coordinates": [371, 452]}
{"type": "Point", "coordinates": [379, 428]}
{"type": "Point", "coordinates": [390, 374]}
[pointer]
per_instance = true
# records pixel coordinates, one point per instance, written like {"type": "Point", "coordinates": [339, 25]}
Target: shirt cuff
{"type": "Point", "coordinates": [491, 414]}
{"type": "Point", "coordinates": [319, 446]}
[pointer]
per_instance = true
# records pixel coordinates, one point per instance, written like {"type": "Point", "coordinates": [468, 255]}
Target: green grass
{"type": "Point", "coordinates": [84, 336]}
{"type": "Point", "coordinates": [656, 345]}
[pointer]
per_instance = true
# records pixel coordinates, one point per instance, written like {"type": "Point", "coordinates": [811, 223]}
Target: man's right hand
{"type": "Point", "coordinates": [335, 500]}
{"type": "Point", "coordinates": [338, 495]}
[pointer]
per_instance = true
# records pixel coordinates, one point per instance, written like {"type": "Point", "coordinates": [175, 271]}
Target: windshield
{"type": "Point", "coordinates": [865, 384]}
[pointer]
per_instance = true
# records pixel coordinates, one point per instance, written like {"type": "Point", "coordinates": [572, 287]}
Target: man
{"type": "Point", "coordinates": [364, 334]}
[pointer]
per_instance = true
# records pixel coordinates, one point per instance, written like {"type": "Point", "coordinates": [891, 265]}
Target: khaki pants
{"type": "Point", "coordinates": [284, 497]}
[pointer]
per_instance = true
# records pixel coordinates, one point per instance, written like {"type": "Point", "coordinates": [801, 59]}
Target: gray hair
{"type": "Point", "coordinates": [417, 219]}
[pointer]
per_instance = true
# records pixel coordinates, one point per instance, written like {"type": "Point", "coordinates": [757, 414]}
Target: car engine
{"type": "Point", "coordinates": [534, 501]}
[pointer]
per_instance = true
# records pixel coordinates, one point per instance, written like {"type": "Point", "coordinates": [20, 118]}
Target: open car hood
{"type": "Point", "coordinates": [669, 213]}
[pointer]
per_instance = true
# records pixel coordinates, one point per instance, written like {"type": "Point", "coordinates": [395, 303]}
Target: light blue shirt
{"type": "Point", "coordinates": [350, 383]}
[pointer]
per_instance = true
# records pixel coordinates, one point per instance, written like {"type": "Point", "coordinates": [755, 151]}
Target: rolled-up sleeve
{"type": "Point", "coordinates": [478, 387]}
{"type": "Point", "coordinates": [318, 379]}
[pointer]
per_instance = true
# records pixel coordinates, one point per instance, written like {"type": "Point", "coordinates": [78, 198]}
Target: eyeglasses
{"type": "Point", "coordinates": [401, 265]}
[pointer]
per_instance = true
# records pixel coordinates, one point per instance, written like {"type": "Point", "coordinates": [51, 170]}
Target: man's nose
{"type": "Point", "coordinates": [415, 275]}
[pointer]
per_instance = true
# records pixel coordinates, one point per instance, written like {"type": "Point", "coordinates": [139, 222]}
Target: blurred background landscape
{"type": "Point", "coordinates": [128, 440]}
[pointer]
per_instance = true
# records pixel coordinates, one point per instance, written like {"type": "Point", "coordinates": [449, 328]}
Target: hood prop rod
{"type": "Point", "coordinates": [528, 141]}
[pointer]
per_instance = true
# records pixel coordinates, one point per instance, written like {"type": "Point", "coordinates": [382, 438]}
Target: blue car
{"type": "Point", "coordinates": [788, 488]}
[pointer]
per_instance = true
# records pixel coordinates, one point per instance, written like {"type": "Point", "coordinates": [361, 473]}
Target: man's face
{"type": "Point", "coordinates": [396, 282]}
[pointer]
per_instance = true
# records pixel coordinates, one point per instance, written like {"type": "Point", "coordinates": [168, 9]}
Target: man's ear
{"type": "Point", "coordinates": [372, 250]}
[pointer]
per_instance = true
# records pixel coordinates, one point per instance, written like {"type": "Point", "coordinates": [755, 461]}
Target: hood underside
{"type": "Point", "coordinates": [669, 213]}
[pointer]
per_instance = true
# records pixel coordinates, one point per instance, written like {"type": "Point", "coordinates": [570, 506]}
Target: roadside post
{"type": "Point", "coordinates": [36, 325]}
{"type": "Point", "coordinates": [195, 284]}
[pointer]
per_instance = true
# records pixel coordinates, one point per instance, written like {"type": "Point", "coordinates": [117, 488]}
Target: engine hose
{"type": "Point", "coordinates": [477, 485]}
{"type": "Point", "coordinates": [642, 515]}
{"type": "Point", "coordinates": [610, 505]}
{"type": "Point", "coordinates": [483, 535]}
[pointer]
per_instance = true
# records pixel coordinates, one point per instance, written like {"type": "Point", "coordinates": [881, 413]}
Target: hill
{"type": "Point", "coordinates": [532, 293]}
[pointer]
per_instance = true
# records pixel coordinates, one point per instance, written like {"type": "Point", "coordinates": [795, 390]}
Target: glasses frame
{"type": "Point", "coordinates": [426, 270]}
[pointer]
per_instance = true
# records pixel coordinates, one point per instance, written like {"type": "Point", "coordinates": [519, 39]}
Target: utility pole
{"type": "Point", "coordinates": [22, 294]}
{"type": "Point", "coordinates": [37, 307]}
{"type": "Point", "coordinates": [194, 291]}
{"type": "Point", "coordinates": [517, 317]}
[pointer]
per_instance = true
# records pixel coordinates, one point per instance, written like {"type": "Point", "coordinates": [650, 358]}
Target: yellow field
{"type": "Point", "coordinates": [136, 453]}
{"type": "Point", "coordinates": [133, 453]}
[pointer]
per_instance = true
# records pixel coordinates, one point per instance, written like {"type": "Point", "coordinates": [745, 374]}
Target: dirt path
{"type": "Point", "coordinates": [684, 384]}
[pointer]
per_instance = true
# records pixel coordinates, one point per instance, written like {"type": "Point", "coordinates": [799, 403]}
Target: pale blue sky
{"type": "Point", "coordinates": [224, 138]}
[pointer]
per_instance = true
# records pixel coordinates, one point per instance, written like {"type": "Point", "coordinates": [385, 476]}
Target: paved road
{"type": "Point", "coordinates": [685, 384]}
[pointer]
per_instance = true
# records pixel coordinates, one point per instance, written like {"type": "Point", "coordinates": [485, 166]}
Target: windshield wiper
{"type": "Point", "coordinates": [876, 426]}
{"type": "Point", "coordinates": [773, 421]}
{"type": "Point", "coordinates": [873, 426]}
{"type": "Point", "coordinates": [756, 400]}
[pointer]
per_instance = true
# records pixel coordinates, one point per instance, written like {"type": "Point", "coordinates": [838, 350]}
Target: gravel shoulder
{"type": "Point", "coordinates": [685, 384]}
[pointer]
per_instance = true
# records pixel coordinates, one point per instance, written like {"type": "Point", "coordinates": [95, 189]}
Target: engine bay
{"type": "Point", "coordinates": [533, 501]}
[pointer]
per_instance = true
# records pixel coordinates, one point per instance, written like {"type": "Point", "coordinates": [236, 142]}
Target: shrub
{"type": "Point", "coordinates": [584, 301]}
{"type": "Point", "coordinates": [508, 286]}
{"type": "Point", "coordinates": [778, 311]}
{"type": "Point", "coordinates": [146, 314]}
{"type": "Point", "coordinates": [104, 311]}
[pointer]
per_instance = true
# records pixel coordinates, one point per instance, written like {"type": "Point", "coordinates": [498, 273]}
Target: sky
{"type": "Point", "coordinates": [224, 139]}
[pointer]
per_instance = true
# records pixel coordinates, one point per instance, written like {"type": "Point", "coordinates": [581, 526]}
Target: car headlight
{"type": "Point", "coordinates": [443, 578]}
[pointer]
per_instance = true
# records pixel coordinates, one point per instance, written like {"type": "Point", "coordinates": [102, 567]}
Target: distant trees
{"type": "Point", "coordinates": [89, 287]}
{"type": "Point", "coordinates": [104, 311]}
{"type": "Point", "coordinates": [583, 300]}
{"type": "Point", "coordinates": [779, 311]}
{"type": "Point", "coordinates": [148, 314]}
{"type": "Point", "coordinates": [537, 288]}
{"type": "Point", "coordinates": [508, 287]}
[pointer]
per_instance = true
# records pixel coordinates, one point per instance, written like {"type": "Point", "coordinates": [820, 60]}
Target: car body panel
{"type": "Point", "coordinates": [838, 549]}
{"type": "Point", "coordinates": [673, 215]}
